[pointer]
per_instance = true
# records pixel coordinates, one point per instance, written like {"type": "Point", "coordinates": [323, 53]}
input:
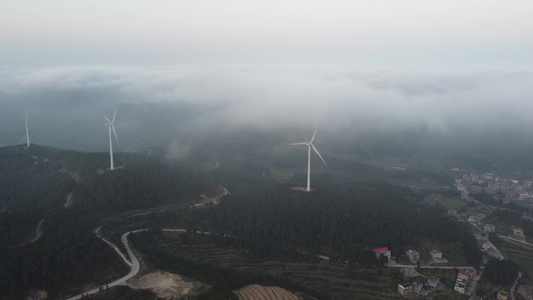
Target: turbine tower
{"type": "Point", "coordinates": [309, 146]}
{"type": "Point", "coordinates": [27, 121]}
{"type": "Point", "coordinates": [111, 126]}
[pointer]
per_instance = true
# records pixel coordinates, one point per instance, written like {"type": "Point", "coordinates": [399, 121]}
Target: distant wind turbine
{"type": "Point", "coordinates": [111, 125]}
{"type": "Point", "coordinates": [309, 146]}
{"type": "Point", "coordinates": [27, 121]}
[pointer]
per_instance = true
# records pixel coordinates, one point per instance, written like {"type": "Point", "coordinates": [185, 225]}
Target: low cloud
{"type": "Point", "coordinates": [440, 97]}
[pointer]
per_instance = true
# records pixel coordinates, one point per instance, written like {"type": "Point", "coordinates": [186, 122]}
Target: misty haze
{"type": "Point", "coordinates": [243, 150]}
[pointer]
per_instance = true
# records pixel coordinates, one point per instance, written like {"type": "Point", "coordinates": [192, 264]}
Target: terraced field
{"type": "Point", "coordinates": [520, 253]}
{"type": "Point", "coordinates": [255, 291]}
{"type": "Point", "coordinates": [335, 281]}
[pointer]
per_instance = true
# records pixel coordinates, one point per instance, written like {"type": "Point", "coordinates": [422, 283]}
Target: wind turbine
{"type": "Point", "coordinates": [27, 121]}
{"type": "Point", "coordinates": [309, 146]}
{"type": "Point", "coordinates": [111, 126]}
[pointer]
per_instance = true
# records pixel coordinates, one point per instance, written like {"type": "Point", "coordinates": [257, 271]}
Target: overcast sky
{"type": "Point", "coordinates": [37, 33]}
{"type": "Point", "coordinates": [282, 62]}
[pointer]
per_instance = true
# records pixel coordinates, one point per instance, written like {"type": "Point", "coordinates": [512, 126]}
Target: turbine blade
{"type": "Point", "coordinates": [314, 148]}
{"type": "Point", "coordinates": [114, 115]}
{"type": "Point", "coordinates": [116, 137]}
{"type": "Point", "coordinates": [302, 143]}
{"type": "Point", "coordinates": [314, 134]}
{"type": "Point", "coordinates": [109, 121]}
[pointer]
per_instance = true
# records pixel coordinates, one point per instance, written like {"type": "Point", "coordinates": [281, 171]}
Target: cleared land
{"type": "Point", "coordinates": [165, 285]}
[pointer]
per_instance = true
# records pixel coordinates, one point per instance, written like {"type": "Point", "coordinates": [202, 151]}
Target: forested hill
{"type": "Point", "coordinates": [35, 182]}
{"type": "Point", "coordinates": [343, 217]}
{"type": "Point", "coordinates": [31, 185]}
{"type": "Point", "coordinates": [267, 220]}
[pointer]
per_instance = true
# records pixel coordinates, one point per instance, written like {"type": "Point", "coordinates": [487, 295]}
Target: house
{"type": "Point", "coordinates": [417, 287]}
{"type": "Point", "coordinates": [460, 286]}
{"type": "Point", "coordinates": [474, 177]}
{"type": "Point", "coordinates": [404, 288]}
{"type": "Point", "coordinates": [452, 212]}
{"type": "Point", "coordinates": [473, 219]}
{"type": "Point", "coordinates": [502, 295]}
{"type": "Point", "coordinates": [435, 253]}
{"type": "Point", "coordinates": [414, 256]}
{"type": "Point", "coordinates": [518, 231]}
{"type": "Point", "coordinates": [525, 291]}
{"type": "Point", "coordinates": [494, 186]}
{"type": "Point", "coordinates": [476, 217]}
{"type": "Point", "coordinates": [382, 251]}
{"type": "Point", "coordinates": [433, 281]}
{"type": "Point", "coordinates": [464, 275]}
{"type": "Point", "coordinates": [489, 227]}
{"type": "Point", "coordinates": [471, 272]}
{"type": "Point", "coordinates": [464, 195]}
{"type": "Point", "coordinates": [485, 244]}
{"type": "Point", "coordinates": [523, 195]}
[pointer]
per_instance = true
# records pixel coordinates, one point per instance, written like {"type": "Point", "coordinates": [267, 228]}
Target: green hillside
{"type": "Point", "coordinates": [254, 215]}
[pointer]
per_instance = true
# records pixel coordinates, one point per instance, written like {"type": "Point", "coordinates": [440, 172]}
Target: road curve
{"type": "Point", "coordinates": [514, 285]}
{"type": "Point", "coordinates": [133, 262]}
{"type": "Point", "coordinates": [135, 266]}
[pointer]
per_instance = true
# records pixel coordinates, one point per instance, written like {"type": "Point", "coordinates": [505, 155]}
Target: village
{"type": "Point", "coordinates": [509, 188]}
{"type": "Point", "coordinates": [418, 285]}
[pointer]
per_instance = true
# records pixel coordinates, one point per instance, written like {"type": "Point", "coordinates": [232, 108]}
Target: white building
{"type": "Point", "coordinates": [413, 255]}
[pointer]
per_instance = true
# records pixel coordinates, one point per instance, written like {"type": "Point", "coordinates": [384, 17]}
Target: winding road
{"type": "Point", "coordinates": [133, 262]}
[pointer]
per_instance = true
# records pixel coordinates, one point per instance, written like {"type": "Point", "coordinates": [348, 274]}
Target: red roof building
{"type": "Point", "coordinates": [518, 231]}
{"type": "Point", "coordinates": [382, 251]}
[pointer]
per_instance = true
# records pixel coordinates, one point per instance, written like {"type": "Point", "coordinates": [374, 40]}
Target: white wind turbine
{"type": "Point", "coordinates": [309, 146]}
{"type": "Point", "coordinates": [111, 126]}
{"type": "Point", "coordinates": [27, 121]}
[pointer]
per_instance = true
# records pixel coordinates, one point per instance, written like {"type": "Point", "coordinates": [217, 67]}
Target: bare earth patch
{"type": "Point", "coordinates": [166, 285]}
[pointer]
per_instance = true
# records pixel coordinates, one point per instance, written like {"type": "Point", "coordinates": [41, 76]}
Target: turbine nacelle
{"type": "Point", "coordinates": [110, 122]}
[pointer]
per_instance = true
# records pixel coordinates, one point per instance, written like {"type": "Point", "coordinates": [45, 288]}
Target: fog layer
{"type": "Point", "coordinates": [435, 98]}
